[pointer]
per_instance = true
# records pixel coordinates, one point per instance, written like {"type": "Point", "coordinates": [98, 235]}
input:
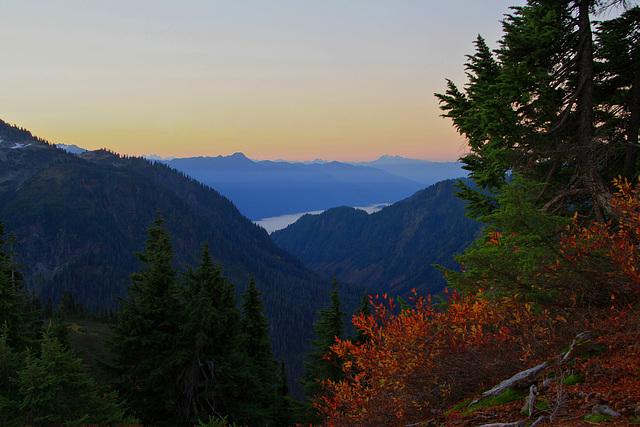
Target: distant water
{"type": "Point", "coordinates": [279, 222]}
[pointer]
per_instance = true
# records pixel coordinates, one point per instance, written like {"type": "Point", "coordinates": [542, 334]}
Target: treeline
{"type": "Point", "coordinates": [81, 218]}
{"type": "Point", "coordinates": [183, 351]}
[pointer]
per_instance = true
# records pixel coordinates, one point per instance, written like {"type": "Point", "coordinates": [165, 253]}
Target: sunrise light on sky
{"type": "Point", "coordinates": [282, 79]}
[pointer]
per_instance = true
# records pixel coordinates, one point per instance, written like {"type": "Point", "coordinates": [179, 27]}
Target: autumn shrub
{"type": "Point", "coordinates": [556, 262]}
{"type": "Point", "coordinates": [543, 285]}
{"type": "Point", "coordinates": [601, 260]}
{"type": "Point", "coordinates": [424, 359]}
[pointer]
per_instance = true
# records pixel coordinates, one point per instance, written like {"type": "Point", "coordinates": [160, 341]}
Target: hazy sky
{"type": "Point", "coordinates": [290, 79]}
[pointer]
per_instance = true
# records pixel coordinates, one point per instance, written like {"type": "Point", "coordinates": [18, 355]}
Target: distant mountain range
{"type": "Point", "coordinates": [262, 189]}
{"type": "Point", "coordinates": [80, 218]}
{"type": "Point", "coordinates": [389, 251]}
{"type": "Point", "coordinates": [422, 171]}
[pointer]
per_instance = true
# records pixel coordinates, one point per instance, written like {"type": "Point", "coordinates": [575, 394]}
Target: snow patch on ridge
{"type": "Point", "coordinates": [18, 145]}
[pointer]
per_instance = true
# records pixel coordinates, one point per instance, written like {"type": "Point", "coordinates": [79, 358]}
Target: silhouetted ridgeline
{"type": "Point", "coordinates": [265, 189]}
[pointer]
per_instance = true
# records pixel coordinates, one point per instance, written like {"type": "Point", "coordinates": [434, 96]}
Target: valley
{"type": "Point", "coordinates": [198, 288]}
{"type": "Point", "coordinates": [81, 216]}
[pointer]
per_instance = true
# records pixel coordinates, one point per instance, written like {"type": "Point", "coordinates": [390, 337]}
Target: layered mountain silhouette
{"type": "Point", "coordinates": [262, 189]}
{"type": "Point", "coordinates": [391, 250]}
{"type": "Point", "coordinates": [422, 171]}
{"type": "Point", "coordinates": [80, 217]}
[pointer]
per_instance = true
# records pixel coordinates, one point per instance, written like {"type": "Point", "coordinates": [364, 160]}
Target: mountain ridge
{"type": "Point", "coordinates": [263, 189]}
{"type": "Point", "coordinates": [80, 218]}
{"type": "Point", "coordinates": [389, 251]}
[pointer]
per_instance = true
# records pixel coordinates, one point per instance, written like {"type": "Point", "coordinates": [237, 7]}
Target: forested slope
{"type": "Point", "coordinates": [81, 218]}
{"type": "Point", "coordinates": [388, 251]}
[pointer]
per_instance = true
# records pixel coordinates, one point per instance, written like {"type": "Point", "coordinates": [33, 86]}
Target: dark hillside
{"type": "Point", "coordinates": [388, 251]}
{"type": "Point", "coordinates": [81, 218]}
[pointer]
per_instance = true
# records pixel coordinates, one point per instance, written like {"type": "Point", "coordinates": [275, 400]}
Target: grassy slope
{"type": "Point", "coordinates": [87, 338]}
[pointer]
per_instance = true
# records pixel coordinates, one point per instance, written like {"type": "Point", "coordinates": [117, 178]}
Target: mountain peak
{"type": "Point", "coordinates": [73, 149]}
{"type": "Point", "coordinates": [396, 160]}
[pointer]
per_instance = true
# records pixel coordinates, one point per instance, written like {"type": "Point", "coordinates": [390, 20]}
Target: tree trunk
{"type": "Point", "coordinates": [587, 147]}
{"type": "Point", "coordinates": [631, 153]}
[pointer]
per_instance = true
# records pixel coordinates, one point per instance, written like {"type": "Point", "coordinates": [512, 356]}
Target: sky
{"type": "Point", "coordinates": [347, 80]}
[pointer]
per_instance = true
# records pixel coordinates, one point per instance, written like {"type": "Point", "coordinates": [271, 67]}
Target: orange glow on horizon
{"type": "Point", "coordinates": [284, 80]}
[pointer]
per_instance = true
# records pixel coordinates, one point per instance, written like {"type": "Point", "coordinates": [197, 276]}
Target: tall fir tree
{"type": "Point", "coordinates": [259, 369]}
{"type": "Point", "coordinates": [537, 106]}
{"type": "Point", "coordinates": [321, 363]}
{"type": "Point", "coordinates": [146, 338]}
{"type": "Point", "coordinates": [209, 381]}
{"type": "Point", "coordinates": [284, 412]}
{"type": "Point", "coordinates": [551, 118]}
{"type": "Point", "coordinates": [13, 302]}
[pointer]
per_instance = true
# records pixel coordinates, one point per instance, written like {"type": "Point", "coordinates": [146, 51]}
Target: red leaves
{"type": "Point", "coordinates": [424, 358]}
{"type": "Point", "coordinates": [607, 254]}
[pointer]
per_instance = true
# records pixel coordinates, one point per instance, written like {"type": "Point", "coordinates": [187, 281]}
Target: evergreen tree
{"type": "Point", "coordinates": [67, 303]}
{"type": "Point", "coordinates": [321, 363]}
{"type": "Point", "coordinates": [13, 303]}
{"type": "Point", "coordinates": [551, 118]}
{"type": "Point", "coordinates": [363, 310]}
{"type": "Point", "coordinates": [519, 245]}
{"type": "Point", "coordinates": [535, 107]}
{"type": "Point", "coordinates": [48, 309]}
{"type": "Point", "coordinates": [59, 329]}
{"type": "Point", "coordinates": [283, 413]}
{"type": "Point", "coordinates": [9, 362]}
{"type": "Point", "coordinates": [259, 372]}
{"type": "Point", "coordinates": [53, 388]}
{"type": "Point", "coordinates": [146, 343]}
{"type": "Point", "coordinates": [209, 383]}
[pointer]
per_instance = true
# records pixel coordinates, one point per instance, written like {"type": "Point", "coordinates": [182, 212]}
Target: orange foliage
{"type": "Point", "coordinates": [424, 359]}
{"type": "Point", "coordinates": [606, 255]}
{"type": "Point", "coordinates": [421, 361]}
